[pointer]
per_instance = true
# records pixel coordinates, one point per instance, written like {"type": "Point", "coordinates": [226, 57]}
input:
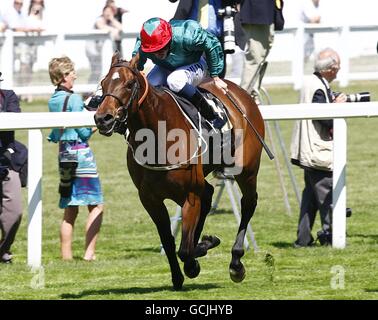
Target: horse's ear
{"type": "Point", "coordinates": [134, 61]}
{"type": "Point", "coordinates": [116, 57]}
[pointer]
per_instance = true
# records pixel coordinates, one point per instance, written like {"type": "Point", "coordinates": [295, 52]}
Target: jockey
{"type": "Point", "coordinates": [176, 48]}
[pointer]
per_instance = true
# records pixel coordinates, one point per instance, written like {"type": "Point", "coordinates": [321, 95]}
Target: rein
{"type": "Point", "coordinates": [143, 97]}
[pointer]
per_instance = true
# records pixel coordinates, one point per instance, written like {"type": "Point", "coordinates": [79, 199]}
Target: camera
{"type": "Point", "coordinates": [356, 97]}
{"type": "Point", "coordinates": [228, 28]}
{"type": "Point", "coordinates": [67, 169]}
{"type": "Point", "coordinates": [92, 103]}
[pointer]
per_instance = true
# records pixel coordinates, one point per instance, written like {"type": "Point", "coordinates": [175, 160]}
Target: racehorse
{"type": "Point", "coordinates": [128, 101]}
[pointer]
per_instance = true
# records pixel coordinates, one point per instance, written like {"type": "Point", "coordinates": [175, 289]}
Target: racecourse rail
{"type": "Point", "coordinates": [61, 42]}
{"type": "Point", "coordinates": [35, 121]}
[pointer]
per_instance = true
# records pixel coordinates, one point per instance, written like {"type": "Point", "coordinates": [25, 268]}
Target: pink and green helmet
{"type": "Point", "coordinates": [155, 34]}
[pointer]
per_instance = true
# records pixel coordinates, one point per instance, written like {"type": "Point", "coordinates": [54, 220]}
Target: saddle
{"type": "Point", "coordinates": [216, 138]}
{"type": "Point", "coordinates": [195, 118]}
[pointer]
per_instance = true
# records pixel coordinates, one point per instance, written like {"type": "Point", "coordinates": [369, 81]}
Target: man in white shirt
{"type": "Point", "coordinates": [14, 18]}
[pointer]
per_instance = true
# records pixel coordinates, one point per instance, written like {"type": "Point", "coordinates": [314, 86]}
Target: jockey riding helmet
{"type": "Point", "coordinates": [155, 34]}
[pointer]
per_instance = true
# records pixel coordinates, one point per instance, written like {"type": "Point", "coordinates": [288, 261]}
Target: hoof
{"type": "Point", "coordinates": [213, 241]}
{"type": "Point", "coordinates": [177, 284]}
{"type": "Point", "coordinates": [200, 250]}
{"type": "Point", "coordinates": [237, 276]}
{"type": "Point", "coordinates": [207, 243]}
{"type": "Point", "coordinates": [192, 270]}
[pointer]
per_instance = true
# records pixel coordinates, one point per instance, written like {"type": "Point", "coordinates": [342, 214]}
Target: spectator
{"type": "Point", "coordinates": [108, 23]}
{"type": "Point", "coordinates": [85, 188]}
{"type": "Point", "coordinates": [3, 26]}
{"type": "Point", "coordinates": [177, 50]}
{"type": "Point", "coordinates": [257, 19]}
{"type": "Point", "coordinates": [312, 150]}
{"type": "Point", "coordinates": [203, 11]}
{"type": "Point", "coordinates": [34, 21]}
{"type": "Point", "coordinates": [309, 13]}
{"type": "Point", "coordinates": [35, 15]}
{"type": "Point", "coordinates": [206, 13]}
{"type": "Point", "coordinates": [117, 11]}
{"type": "Point", "coordinates": [13, 157]}
{"type": "Point", "coordinates": [118, 15]}
{"type": "Point", "coordinates": [18, 22]}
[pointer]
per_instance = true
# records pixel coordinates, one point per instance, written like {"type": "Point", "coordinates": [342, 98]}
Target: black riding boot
{"type": "Point", "coordinates": [206, 110]}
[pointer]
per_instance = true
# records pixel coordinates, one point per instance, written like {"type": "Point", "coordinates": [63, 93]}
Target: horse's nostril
{"type": "Point", "coordinates": [103, 119]}
{"type": "Point", "coordinates": [108, 117]}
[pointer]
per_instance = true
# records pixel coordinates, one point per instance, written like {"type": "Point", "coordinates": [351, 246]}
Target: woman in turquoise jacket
{"type": "Point", "coordinates": [177, 48]}
{"type": "Point", "coordinates": [83, 187]}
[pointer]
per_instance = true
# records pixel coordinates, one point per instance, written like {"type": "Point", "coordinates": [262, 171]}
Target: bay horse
{"type": "Point", "coordinates": [128, 101]}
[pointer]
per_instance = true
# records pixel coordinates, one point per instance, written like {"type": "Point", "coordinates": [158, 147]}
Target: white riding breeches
{"type": "Point", "coordinates": [192, 74]}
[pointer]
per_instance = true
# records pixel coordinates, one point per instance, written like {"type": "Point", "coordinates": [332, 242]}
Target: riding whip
{"type": "Point", "coordinates": [266, 148]}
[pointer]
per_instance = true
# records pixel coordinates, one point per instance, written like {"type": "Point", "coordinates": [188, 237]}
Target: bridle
{"type": "Point", "coordinates": [122, 111]}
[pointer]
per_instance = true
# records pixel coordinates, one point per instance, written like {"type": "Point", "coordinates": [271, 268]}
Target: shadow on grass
{"type": "Point", "coordinates": [283, 245]}
{"type": "Point", "coordinates": [136, 290]}
{"type": "Point", "coordinates": [366, 236]}
{"type": "Point", "coordinates": [371, 290]}
{"type": "Point", "coordinates": [153, 249]}
{"type": "Point", "coordinates": [220, 211]}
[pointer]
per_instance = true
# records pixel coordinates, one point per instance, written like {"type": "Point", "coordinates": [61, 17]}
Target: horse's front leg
{"type": "Point", "coordinates": [160, 216]}
{"type": "Point", "coordinates": [190, 218]}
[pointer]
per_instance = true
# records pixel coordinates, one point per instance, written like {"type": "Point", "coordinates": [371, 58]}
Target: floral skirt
{"type": "Point", "coordinates": [86, 187]}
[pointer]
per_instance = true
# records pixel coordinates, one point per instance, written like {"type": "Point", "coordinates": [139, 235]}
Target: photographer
{"type": "Point", "coordinates": [259, 21]}
{"type": "Point", "coordinates": [79, 180]}
{"type": "Point", "coordinates": [13, 157]}
{"type": "Point", "coordinates": [312, 150]}
{"type": "Point", "coordinates": [211, 15]}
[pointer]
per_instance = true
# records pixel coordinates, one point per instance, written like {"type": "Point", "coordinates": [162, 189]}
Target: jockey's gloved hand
{"type": "Point", "coordinates": [93, 102]}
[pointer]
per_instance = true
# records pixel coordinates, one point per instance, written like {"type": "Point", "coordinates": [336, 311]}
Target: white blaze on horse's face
{"type": "Point", "coordinates": [115, 76]}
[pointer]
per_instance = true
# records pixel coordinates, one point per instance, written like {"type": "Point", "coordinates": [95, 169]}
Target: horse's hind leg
{"type": "Point", "coordinates": [248, 206]}
{"type": "Point", "coordinates": [206, 199]}
{"type": "Point", "coordinates": [208, 242]}
{"type": "Point", "coordinates": [160, 216]}
{"type": "Point", "coordinates": [190, 218]}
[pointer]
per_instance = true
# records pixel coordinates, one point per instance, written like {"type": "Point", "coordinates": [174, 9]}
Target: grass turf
{"type": "Point", "coordinates": [129, 264]}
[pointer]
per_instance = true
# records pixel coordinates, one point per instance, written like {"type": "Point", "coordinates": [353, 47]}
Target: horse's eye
{"type": "Point", "coordinates": [129, 85]}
